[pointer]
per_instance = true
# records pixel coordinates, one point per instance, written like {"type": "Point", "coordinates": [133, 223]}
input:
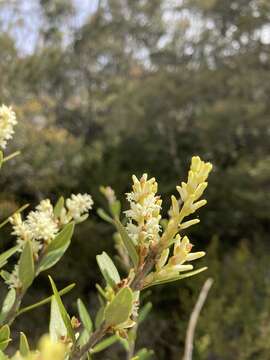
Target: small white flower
{"type": "Point", "coordinates": [20, 228]}
{"type": "Point", "coordinates": [42, 225]}
{"type": "Point", "coordinates": [39, 225]}
{"type": "Point", "coordinates": [7, 123]}
{"type": "Point", "coordinates": [78, 205]}
{"type": "Point", "coordinates": [45, 206]}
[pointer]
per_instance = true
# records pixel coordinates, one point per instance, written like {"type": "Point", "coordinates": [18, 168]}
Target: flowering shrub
{"type": "Point", "coordinates": [152, 250]}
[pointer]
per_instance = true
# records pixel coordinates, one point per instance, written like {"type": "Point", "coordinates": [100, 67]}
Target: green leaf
{"type": "Point", "coordinates": [108, 269]}
{"type": "Point", "coordinates": [26, 266]}
{"type": "Point", "coordinates": [144, 311]}
{"type": "Point", "coordinates": [46, 300]}
{"type": "Point", "coordinates": [84, 337]}
{"type": "Point", "coordinates": [115, 208]}
{"type": "Point", "coordinates": [119, 309]}
{"type": "Point", "coordinates": [104, 216]}
{"type": "Point", "coordinates": [57, 327]}
{"type": "Point", "coordinates": [7, 254]}
{"type": "Point", "coordinates": [4, 333]}
{"type": "Point", "coordinates": [59, 206]}
{"type": "Point", "coordinates": [85, 317]}
{"type": "Point", "coordinates": [4, 337]}
{"type": "Point", "coordinates": [179, 277]}
{"type": "Point", "coordinates": [4, 344]}
{"type": "Point", "coordinates": [1, 158]}
{"type": "Point", "coordinates": [63, 312]}
{"type": "Point", "coordinates": [127, 242]}
{"type": "Point", "coordinates": [24, 346]}
{"type": "Point", "coordinates": [125, 344]}
{"type": "Point", "coordinates": [17, 211]}
{"type": "Point", "coordinates": [144, 354]}
{"type": "Point", "coordinates": [5, 275]}
{"type": "Point", "coordinates": [99, 316]}
{"type": "Point", "coordinates": [7, 304]}
{"type": "Point", "coordinates": [104, 344]}
{"type": "Point", "coordinates": [57, 248]}
{"type": "Point", "coordinates": [3, 356]}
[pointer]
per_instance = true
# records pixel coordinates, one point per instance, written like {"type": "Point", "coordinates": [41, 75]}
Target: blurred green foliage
{"type": "Point", "coordinates": [142, 86]}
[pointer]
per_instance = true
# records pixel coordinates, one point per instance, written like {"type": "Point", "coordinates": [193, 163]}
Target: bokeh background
{"type": "Point", "coordinates": [104, 89]}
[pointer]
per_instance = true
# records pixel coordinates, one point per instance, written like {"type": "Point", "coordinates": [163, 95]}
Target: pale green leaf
{"type": "Point", "coordinates": [99, 316]}
{"type": "Point", "coordinates": [57, 326]}
{"type": "Point", "coordinates": [24, 346]}
{"type": "Point", "coordinates": [127, 242]}
{"type": "Point", "coordinates": [115, 208]}
{"type": "Point", "coordinates": [7, 304]}
{"type": "Point", "coordinates": [46, 300]}
{"type": "Point", "coordinates": [108, 269]}
{"type": "Point", "coordinates": [4, 333]}
{"type": "Point", "coordinates": [4, 337]}
{"type": "Point", "coordinates": [1, 158]}
{"type": "Point", "coordinates": [144, 311]}
{"type": "Point", "coordinates": [26, 266]}
{"type": "Point", "coordinates": [119, 309]}
{"type": "Point", "coordinates": [104, 344]}
{"type": "Point", "coordinates": [3, 356]}
{"type": "Point", "coordinates": [104, 216]}
{"type": "Point", "coordinates": [84, 316]}
{"type": "Point", "coordinates": [4, 344]}
{"type": "Point", "coordinates": [17, 211]}
{"type": "Point", "coordinates": [179, 277]}
{"type": "Point", "coordinates": [63, 312]}
{"type": "Point", "coordinates": [5, 275]}
{"type": "Point", "coordinates": [144, 354]}
{"type": "Point", "coordinates": [59, 206]}
{"type": "Point", "coordinates": [57, 248]}
{"type": "Point", "coordinates": [7, 254]}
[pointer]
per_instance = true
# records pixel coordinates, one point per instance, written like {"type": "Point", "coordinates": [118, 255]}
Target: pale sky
{"type": "Point", "coordinates": [25, 32]}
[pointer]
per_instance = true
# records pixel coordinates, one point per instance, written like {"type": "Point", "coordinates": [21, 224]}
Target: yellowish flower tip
{"type": "Point", "coordinates": [51, 350]}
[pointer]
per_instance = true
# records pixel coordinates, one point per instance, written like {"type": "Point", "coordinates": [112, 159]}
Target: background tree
{"type": "Point", "coordinates": [142, 86]}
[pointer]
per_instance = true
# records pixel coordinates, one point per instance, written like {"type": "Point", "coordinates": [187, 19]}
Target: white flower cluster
{"type": "Point", "coordinates": [40, 226]}
{"type": "Point", "coordinates": [144, 214]}
{"type": "Point", "coordinates": [7, 123]}
{"type": "Point", "coordinates": [78, 205]}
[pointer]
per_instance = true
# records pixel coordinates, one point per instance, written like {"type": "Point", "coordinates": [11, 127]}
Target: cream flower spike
{"type": "Point", "coordinates": [144, 213]}
{"type": "Point", "coordinates": [190, 192]}
{"type": "Point", "coordinates": [7, 123]}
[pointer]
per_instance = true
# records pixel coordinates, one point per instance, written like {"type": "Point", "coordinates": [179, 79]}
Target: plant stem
{"type": "Point", "coordinates": [137, 283]}
{"type": "Point", "coordinates": [97, 335]}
